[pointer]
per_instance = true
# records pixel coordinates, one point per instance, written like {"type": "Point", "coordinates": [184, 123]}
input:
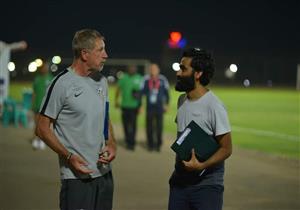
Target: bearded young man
{"type": "Point", "coordinates": [189, 188]}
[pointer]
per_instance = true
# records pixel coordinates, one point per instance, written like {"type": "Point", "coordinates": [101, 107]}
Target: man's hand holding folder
{"type": "Point", "coordinates": [194, 164]}
{"type": "Point", "coordinates": [194, 146]}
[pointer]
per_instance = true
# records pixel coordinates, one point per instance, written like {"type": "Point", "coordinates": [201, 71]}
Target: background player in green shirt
{"type": "Point", "coordinates": [129, 89]}
{"type": "Point", "coordinates": [40, 84]}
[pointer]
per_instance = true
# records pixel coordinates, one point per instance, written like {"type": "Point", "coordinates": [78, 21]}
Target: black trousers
{"type": "Point", "coordinates": [208, 197]}
{"type": "Point", "coordinates": [129, 117]}
{"type": "Point", "coordinates": [89, 194]}
{"type": "Point", "coordinates": [154, 127]}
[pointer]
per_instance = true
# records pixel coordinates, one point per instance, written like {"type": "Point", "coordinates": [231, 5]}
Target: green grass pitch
{"type": "Point", "coordinates": [264, 119]}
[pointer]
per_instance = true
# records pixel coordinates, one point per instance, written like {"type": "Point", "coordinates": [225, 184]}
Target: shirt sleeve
{"type": "Point", "coordinates": [220, 120]}
{"type": "Point", "coordinates": [54, 99]}
{"type": "Point", "coordinates": [15, 45]}
{"type": "Point", "coordinates": [166, 89]}
{"type": "Point", "coordinates": [143, 86]}
{"type": "Point", "coordinates": [120, 81]}
{"type": "Point", "coordinates": [34, 85]}
{"type": "Point", "coordinates": [166, 83]}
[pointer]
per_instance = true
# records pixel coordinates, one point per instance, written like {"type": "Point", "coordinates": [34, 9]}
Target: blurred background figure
{"type": "Point", "coordinates": [40, 84]}
{"type": "Point", "coordinates": [128, 87]}
{"type": "Point", "coordinates": [156, 89]}
{"type": "Point", "coordinates": [5, 50]}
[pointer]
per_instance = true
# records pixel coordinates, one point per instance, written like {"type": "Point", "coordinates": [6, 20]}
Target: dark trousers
{"type": "Point", "coordinates": [89, 194]}
{"type": "Point", "coordinates": [129, 117]}
{"type": "Point", "coordinates": [154, 127]}
{"type": "Point", "coordinates": [208, 197]}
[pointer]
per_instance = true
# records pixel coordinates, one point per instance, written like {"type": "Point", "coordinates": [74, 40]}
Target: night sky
{"type": "Point", "coordinates": [140, 29]}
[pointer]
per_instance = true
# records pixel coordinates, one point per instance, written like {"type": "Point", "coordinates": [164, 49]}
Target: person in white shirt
{"type": "Point", "coordinates": [189, 187]}
{"type": "Point", "coordinates": [5, 51]}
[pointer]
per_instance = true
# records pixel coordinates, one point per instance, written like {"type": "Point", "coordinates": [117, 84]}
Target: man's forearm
{"type": "Point", "coordinates": [51, 140]}
{"type": "Point", "coordinates": [223, 152]}
{"type": "Point", "coordinates": [44, 132]}
{"type": "Point", "coordinates": [218, 157]}
{"type": "Point", "coordinates": [17, 45]}
{"type": "Point", "coordinates": [111, 136]}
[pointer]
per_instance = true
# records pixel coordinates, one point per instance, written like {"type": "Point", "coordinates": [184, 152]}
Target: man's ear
{"type": "Point", "coordinates": [198, 74]}
{"type": "Point", "coordinates": [84, 55]}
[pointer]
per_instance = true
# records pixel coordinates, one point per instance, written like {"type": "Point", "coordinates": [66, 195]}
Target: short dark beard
{"type": "Point", "coordinates": [185, 84]}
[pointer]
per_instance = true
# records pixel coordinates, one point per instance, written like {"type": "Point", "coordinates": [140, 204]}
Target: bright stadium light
{"type": "Point", "coordinates": [53, 67]}
{"type": "Point", "coordinates": [56, 59]}
{"type": "Point", "coordinates": [38, 62]}
{"type": "Point", "coordinates": [175, 36]}
{"type": "Point", "coordinates": [229, 74]}
{"type": "Point", "coordinates": [11, 66]}
{"type": "Point", "coordinates": [119, 74]}
{"type": "Point", "coordinates": [246, 83]}
{"type": "Point", "coordinates": [176, 40]}
{"type": "Point", "coordinates": [32, 67]}
{"type": "Point", "coordinates": [176, 66]}
{"type": "Point", "coordinates": [111, 79]}
{"type": "Point", "coordinates": [233, 68]}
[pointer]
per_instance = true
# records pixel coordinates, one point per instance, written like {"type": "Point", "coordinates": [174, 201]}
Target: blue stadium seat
{"type": "Point", "coordinates": [9, 109]}
{"type": "Point", "coordinates": [22, 109]}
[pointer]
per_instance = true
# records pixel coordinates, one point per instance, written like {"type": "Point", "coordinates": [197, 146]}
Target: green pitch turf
{"type": "Point", "coordinates": [262, 119]}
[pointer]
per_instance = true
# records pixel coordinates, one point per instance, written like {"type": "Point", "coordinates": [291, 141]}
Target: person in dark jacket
{"type": "Point", "coordinates": [156, 89]}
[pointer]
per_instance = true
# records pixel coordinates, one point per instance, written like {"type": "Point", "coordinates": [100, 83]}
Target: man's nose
{"type": "Point", "coordinates": [105, 55]}
{"type": "Point", "coordinates": [178, 73]}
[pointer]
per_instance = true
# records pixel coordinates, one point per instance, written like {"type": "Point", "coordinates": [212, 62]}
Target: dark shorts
{"type": "Point", "coordinates": [206, 197]}
{"type": "Point", "coordinates": [87, 194]}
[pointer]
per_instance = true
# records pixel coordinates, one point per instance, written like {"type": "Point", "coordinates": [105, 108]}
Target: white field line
{"type": "Point", "coordinates": [258, 132]}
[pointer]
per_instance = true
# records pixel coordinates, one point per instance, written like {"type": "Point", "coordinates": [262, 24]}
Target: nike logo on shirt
{"type": "Point", "coordinates": [77, 94]}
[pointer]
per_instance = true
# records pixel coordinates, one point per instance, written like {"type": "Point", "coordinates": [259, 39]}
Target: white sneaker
{"type": "Point", "coordinates": [42, 145]}
{"type": "Point", "coordinates": [35, 143]}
